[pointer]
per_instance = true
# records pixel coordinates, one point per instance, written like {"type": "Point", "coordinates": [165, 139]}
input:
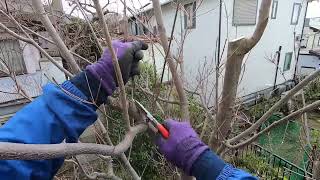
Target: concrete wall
{"type": "Point", "coordinates": [31, 57]}
{"type": "Point", "coordinates": [51, 70]}
{"type": "Point", "coordinates": [200, 44]}
{"type": "Point", "coordinates": [35, 63]}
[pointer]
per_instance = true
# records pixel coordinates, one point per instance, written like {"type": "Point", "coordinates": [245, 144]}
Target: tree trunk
{"type": "Point", "coordinates": [316, 170]}
{"type": "Point", "coordinates": [229, 92]}
{"type": "Point", "coordinates": [237, 50]}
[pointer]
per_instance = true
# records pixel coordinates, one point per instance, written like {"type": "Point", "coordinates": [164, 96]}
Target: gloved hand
{"type": "Point", "coordinates": [183, 146]}
{"type": "Point", "coordinates": [129, 54]}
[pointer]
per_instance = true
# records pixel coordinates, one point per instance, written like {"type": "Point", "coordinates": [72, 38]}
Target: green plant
{"type": "Point", "coordinates": [260, 108]}
{"type": "Point", "coordinates": [258, 166]}
{"type": "Point", "coordinates": [312, 91]}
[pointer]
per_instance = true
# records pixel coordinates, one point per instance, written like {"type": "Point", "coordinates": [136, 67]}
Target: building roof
{"type": "Point", "coordinates": [30, 83]}
{"type": "Point", "coordinates": [149, 6]}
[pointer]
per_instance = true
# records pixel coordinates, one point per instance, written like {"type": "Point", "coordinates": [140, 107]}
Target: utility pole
{"type": "Point", "coordinates": [218, 57]}
{"type": "Point", "coordinates": [277, 68]}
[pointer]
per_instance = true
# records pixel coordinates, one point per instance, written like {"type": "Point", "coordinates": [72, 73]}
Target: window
{"type": "Point", "coordinates": [295, 13]}
{"type": "Point", "coordinates": [190, 15]}
{"type": "Point", "coordinates": [319, 41]}
{"type": "Point", "coordinates": [287, 61]}
{"type": "Point", "coordinates": [11, 59]}
{"type": "Point", "coordinates": [274, 9]}
{"type": "Point", "coordinates": [245, 12]}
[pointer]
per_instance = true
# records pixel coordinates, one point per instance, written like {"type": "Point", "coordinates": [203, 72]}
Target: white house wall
{"type": "Point", "coordinates": [201, 42]}
{"type": "Point", "coordinates": [260, 72]}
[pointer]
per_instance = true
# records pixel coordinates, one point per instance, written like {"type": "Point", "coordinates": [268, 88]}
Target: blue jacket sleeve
{"type": "Point", "coordinates": [209, 166]}
{"type": "Point", "coordinates": [49, 119]}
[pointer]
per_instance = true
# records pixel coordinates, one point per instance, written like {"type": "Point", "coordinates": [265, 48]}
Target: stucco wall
{"type": "Point", "coordinates": [201, 42]}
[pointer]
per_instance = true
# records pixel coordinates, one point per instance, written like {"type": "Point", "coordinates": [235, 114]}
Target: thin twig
{"type": "Point", "coordinates": [115, 64]}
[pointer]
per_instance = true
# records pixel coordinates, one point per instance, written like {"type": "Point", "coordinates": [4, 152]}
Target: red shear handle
{"type": "Point", "coordinates": [163, 131]}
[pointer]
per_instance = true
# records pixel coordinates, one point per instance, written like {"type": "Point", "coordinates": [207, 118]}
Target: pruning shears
{"type": "Point", "coordinates": [160, 128]}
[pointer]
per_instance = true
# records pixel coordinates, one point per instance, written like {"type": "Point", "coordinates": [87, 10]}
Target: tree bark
{"type": "Point", "coordinates": [237, 50]}
{"type": "Point", "coordinates": [184, 106]}
{"type": "Point", "coordinates": [316, 170]}
{"type": "Point", "coordinates": [37, 4]}
{"type": "Point", "coordinates": [106, 33]}
{"type": "Point", "coordinates": [283, 120]}
{"type": "Point", "coordinates": [10, 151]}
{"type": "Point", "coordinates": [172, 65]}
{"type": "Point", "coordinates": [291, 93]}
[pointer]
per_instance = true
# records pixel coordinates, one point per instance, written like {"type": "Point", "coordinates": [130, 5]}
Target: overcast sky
{"type": "Point", "coordinates": [313, 11]}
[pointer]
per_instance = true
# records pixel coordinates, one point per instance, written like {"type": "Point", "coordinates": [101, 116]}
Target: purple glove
{"type": "Point", "coordinates": [129, 54]}
{"type": "Point", "coordinates": [183, 146]}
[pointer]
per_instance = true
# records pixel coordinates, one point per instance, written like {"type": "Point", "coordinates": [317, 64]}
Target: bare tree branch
{"type": "Point", "coordinates": [10, 151]}
{"type": "Point", "coordinates": [159, 98]}
{"type": "Point", "coordinates": [37, 4]}
{"type": "Point", "coordinates": [124, 159]}
{"type": "Point", "coordinates": [305, 109]}
{"type": "Point", "coordinates": [237, 50]}
{"type": "Point", "coordinates": [276, 106]}
{"type": "Point", "coordinates": [316, 170]}
{"type": "Point", "coordinates": [115, 64]}
{"type": "Point", "coordinates": [50, 41]}
{"type": "Point", "coordinates": [31, 41]}
{"type": "Point", "coordinates": [90, 26]}
{"type": "Point", "coordinates": [304, 118]}
{"type": "Point", "coordinates": [172, 65]}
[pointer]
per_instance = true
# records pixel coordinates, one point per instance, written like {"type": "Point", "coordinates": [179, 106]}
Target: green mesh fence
{"type": "Point", "coordinates": [284, 141]}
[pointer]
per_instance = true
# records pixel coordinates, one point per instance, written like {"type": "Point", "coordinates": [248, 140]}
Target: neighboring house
{"type": "Point", "coordinates": [309, 58]}
{"type": "Point", "coordinates": [200, 18]}
{"type": "Point", "coordinates": [30, 67]}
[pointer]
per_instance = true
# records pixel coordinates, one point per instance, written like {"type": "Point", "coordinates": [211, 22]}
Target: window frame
{"type": "Point", "coordinates": [293, 8]}
{"type": "Point", "coordinates": [194, 18]}
{"type": "Point", "coordinates": [274, 12]}
{"type": "Point", "coordinates": [244, 24]}
{"type": "Point", "coordinates": [286, 66]}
